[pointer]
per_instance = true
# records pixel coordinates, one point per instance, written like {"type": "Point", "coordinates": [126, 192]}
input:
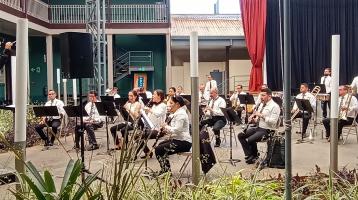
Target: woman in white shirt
{"type": "Point", "coordinates": [177, 130]}
{"type": "Point", "coordinates": [156, 114]}
{"type": "Point", "coordinates": [133, 108]}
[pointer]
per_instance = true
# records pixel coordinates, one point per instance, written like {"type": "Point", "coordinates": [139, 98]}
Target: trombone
{"type": "Point", "coordinates": [314, 92]}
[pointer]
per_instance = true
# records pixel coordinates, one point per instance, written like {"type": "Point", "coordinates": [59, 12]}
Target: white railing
{"type": "Point", "coordinates": [38, 9]}
{"type": "Point", "coordinates": [12, 3]}
{"type": "Point", "coordinates": [68, 14]}
{"type": "Point", "coordinates": [156, 13]}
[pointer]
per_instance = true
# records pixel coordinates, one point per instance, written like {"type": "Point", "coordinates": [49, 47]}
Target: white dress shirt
{"type": "Point", "coordinates": [157, 114]}
{"type": "Point", "coordinates": [203, 98]}
{"type": "Point", "coordinates": [327, 83]}
{"type": "Point", "coordinates": [213, 85]}
{"type": "Point", "coordinates": [271, 114]}
{"type": "Point", "coordinates": [355, 83]}
{"type": "Point", "coordinates": [307, 96]}
{"type": "Point", "coordinates": [93, 114]}
{"type": "Point", "coordinates": [59, 104]}
{"type": "Point", "coordinates": [353, 105]}
{"type": "Point", "coordinates": [235, 97]}
{"type": "Point", "coordinates": [179, 126]}
{"type": "Point", "coordinates": [219, 102]}
{"type": "Point", "coordinates": [149, 94]}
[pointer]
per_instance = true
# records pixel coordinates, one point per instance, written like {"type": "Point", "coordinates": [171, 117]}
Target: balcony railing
{"type": "Point", "coordinates": [35, 8]}
{"type": "Point", "coordinates": [156, 13]}
{"type": "Point", "coordinates": [12, 3]}
{"type": "Point", "coordinates": [68, 14]}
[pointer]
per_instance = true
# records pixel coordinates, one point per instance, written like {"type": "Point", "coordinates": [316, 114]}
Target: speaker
{"type": "Point", "coordinates": [76, 55]}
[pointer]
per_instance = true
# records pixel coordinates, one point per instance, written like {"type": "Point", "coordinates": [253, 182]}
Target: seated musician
{"type": "Point", "coordinates": [306, 116]}
{"type": "Point", "coordinates": [53, 121]}
{"type": "Point", "coordinates": [133, 107]}
{"type": "Point", "coordinates": [215, 116]}
{"type": "Point", "coordinates": [156, 114]}
{"type": "Point", "coordinates": [178, 136]}
{"type": "Point", "coordinates": [348, 107]}
{"type": "Point", "coordinates": [203, 97]}
{"type": "Point", "coordinates": [171, 93]}
{"type": "Point", "coordinates": [236, 102]}
{"type": "Point", "coordinates": [258, 100]}
{"type": "Point", "coordinates": [91, 122]}
{"type": "Point", "coordinates": [266, 118]}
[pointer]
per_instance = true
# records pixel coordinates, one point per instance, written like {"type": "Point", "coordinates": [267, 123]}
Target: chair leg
{"type": "Point", "coordinates": [184, 166]}
{"type": "Point", "coordinates": [349, 131]}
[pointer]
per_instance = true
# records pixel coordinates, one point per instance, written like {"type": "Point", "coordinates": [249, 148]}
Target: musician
{"type": "Point", "coordinates": [354, 86]}
{"type": "Point", "coordinates": [91, 122]}
{"type": "Point", "coordinates": [171, 92]}
{"type": "Point", "coordinates": [5, 60]}
{"type": "Point", "coordinates": [326, 80]}
{"type": "Point", "coordinates": [203, 97]}
{"type": "Point", "coordinates": [267, 119]}
{"type": "Point", "coordinates": [180, 90]}
{"type": "Point", "coordinates": [133, 107]}
{"type": "Point", "coordinates": [157, 115]}
{"type": "Point", "coordinates": [210, 84]}
{"type": "Point", "coordinates": [114, 93]}
{"type": "Point", "coordinates": [348, 106]}
{"type": "Point", "coordinates": [258, 100]}
{"type": "Point", "coordinates": [236, 105]}
{"type": "Point", "coordinates": [179, 139]}
{"type": "Point", "coordinates": [307, 115]}
{"type": "Point", "coordinates": [52, 121]}
{"type": "Point", "coordinates": [215, 116]}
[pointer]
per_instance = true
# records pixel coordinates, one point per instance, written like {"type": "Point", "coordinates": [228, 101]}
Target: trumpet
{"type": "Point", "coordinates": [343, 113]}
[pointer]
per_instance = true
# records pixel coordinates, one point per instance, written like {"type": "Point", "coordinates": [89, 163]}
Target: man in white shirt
{"type": "Point", "coordinates": [215, 117]}
{"type": "Point", "coordinates": [91, 123]}
{"type": "Point", "coordinates": [347, 107]}
{"type": "Point", "coordinates": [266, 117]}
{"type": "Point", "coordinates": [326, 80]}
{"type": "Point", "coordinates": [52, 121]}
{"type": "Point", "coordinates": [180, 90]}
{"type": "Point", "coordinates": [210, 84]}
{"type": "Point", "coordinates": [203, 97]}
{"type": "Point", "coordinates": [236, 105]}
{"type": "Point", "coordinates": [114, 93]}
{"type": "Point", "coordinates": [306, 116]}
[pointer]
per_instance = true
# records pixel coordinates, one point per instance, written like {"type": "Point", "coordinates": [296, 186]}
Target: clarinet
{"type": "Point", "coordinates": [161, 131]}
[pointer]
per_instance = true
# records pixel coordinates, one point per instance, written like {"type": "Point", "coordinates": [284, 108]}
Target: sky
{"type": "Point", "coordinates": [204, 6]}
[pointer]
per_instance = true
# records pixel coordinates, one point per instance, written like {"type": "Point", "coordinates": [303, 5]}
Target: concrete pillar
{"type": "Point", "coordinates": [110, 60]}
{"type": "Point", "coordinates": [49, 62]}
{"type": "Point", "coordinates": [169, 62]}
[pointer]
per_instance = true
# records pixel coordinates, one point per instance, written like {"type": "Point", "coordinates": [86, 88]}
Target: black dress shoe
{"type": "Point", "coordinates": [251, 160]}
{"type": "Point", "coordinates": [150, 155]}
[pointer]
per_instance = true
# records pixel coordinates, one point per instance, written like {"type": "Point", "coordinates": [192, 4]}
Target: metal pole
{"type": "Point", "coordinates": [98, 44]}
{"type": "Point", "coordinates": [74, 92]}
{"type": "Point", "coordinates": [227, 72]}
{"type": "Point", "coordinates": [194, 74]}
{"type": "Point", "coordinates": [64, 91]}
{"type": "Point", "coordinates": [22, 66]}
{"type": "Point", "coordinates": [287, 96]}
{"type": "Point", "coordinates": [334, 105]}
{"type": "Point", "coordinates": [58, 83]}
{"type": "Point", "coordinates": [104, 45]}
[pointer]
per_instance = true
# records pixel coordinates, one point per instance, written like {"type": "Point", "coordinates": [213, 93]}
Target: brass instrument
{"type": "Point", "coordinates": [314, 92]}
{"type": "Point", "coordinates": [207, 113]}
{"type": "Point", "coordinates": [343, 114]}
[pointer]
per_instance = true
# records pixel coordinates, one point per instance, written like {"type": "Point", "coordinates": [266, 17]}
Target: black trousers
{"type": "Point", "coordinates": [217, 122]}
{"type": "Point", "coordinates": [122, 127]}
{"type": "Point", "coordinates": [305, 120]}
{"type": "Point", "coordinates": [54, 124]}
{"type": "Point", "coordinates": [341, 124]}
{"type": "Point", "coordinates": [89, 128]}
{"type": "Point", "coordinates": [170, 147]}
{"type": "Point", "coordinates": [324, 106]}
{"type": "Point", "coordinates": [250, 138]}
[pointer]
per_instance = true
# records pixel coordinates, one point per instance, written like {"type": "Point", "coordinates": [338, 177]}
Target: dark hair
{"type": "Point", "coordinates": [173, 88]}
{"type": "Point", "coordinates": [240, 86]}
{"type": "Point", "coordinates": [267, 90]}
{"type": "Point", "coordinates": [328, 68]}
{"type": "Point", "coordinates": [160, 93]}
{"type": "Point", "coordinates": [305, 84]}
{"type": "Point", "coordinates": [135, 94]}
{"type": "Point", "coordinates": [93, 92]}
{"type": "Point", "coordinates": [178, 99]}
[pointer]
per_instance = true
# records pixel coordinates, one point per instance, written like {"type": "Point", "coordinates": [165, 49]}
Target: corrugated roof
{"type": "Point", "coordinates": [207, 25]}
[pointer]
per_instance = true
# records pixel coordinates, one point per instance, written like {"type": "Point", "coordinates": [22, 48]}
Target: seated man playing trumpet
{"type": "Point", "coordinates": [348, 107]}
{"type": "Point", "coordinates": [266, 117]}
{"type": "Point", "coordinates": [306, 116]}
{"type": "Point", "coordinates": [215, 117]}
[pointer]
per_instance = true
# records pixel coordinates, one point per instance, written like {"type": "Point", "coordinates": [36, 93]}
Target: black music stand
{"type": "Point", "coordinates": [46, 111]}
{"type": "Point", "coordinates": [231, 118]}
{"type": "Point", "coordinates": [107, 109]}
{"type": "Point", "coordinates": [246, 99]}
{"type": "Point", "coordinates": [75, 111]}
{"type": "Point", "coordinates": [107, 98]}
{"type": "Point", "coordinates": [303, 105]}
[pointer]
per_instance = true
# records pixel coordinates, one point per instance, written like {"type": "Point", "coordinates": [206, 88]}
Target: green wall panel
{"type": "Point", "coordinates": [154, 43]}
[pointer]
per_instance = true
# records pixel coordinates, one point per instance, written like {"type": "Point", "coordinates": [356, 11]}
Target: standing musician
{"type": "Point", "coordinates": [266, 119]}
{"type": "Point", "coordinates": [307, 115]}
{"type": "Point", "coordinates": [326, 80]}
{"type": "Point", "coordinates": [179, 139]}
{"type": "Point", "coordinates": [210, 84]}
{"type": "Point", "coordinates": [215, 116]}
{"type": "Point", "coordinates": [53, 121]}
{"type": "Point", "coordinates": [5, 60]}
{"type": "Point", "coordinates": [91, 123]}
{"type": "Point", "coordinates": [156, 114]}
{"type": "Point", "coordinates": [236, 102]}
{"type": "Point", "coordinates": [133, 107]}
{"type": "Point", "coordinates": [348, 107]}
{"type": "Point", "coordinates": [171, 92]}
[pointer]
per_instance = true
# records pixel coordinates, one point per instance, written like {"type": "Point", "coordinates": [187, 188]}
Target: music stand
{"type": "Point", "coordinates": [120, 102]}
{"type": "Point", "coordinates": [231, 118]}
{"type": "Point", "coordinates": [303, 105]}
{"type": "Point", "coordinates": [107, 98]}
{"type": "Point", "coordinates": [46, 111]}
{"type": "Point", "coordinates": [246, 99]}
{"type": "Point", "coordinates": [107, 109]}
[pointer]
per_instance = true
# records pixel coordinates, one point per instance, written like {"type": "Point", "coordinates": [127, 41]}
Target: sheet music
{"type": "Point", "coordinates": [146, 120]}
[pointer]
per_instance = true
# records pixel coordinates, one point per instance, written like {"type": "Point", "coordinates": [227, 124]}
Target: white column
{"type": "Point", "coordinates": [168, 68]}
{"type": "Point", "coordinates": [58, 80]}
{"type": "Point", "coordinates": [264, 69]}
{"type": "Point", "coordinates": [74, 92]}
{"type": "Point", "coordinates": [110, 60]}
{"type": "Point", "coordinates": [64, 91]}
{"type": "Point", "coordinates": [49, 62]}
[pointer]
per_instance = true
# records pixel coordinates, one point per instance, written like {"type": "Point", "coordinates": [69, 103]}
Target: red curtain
{"type": "Point", "coordinates": [253, 14]}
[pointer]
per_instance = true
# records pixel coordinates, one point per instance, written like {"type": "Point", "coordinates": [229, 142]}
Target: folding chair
{"type": "Point", "coordinates": [186, 162]}
{"type": "Point", "coordinates": [355, 126]}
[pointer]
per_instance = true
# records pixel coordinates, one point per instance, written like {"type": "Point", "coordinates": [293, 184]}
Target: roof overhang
{"type": "Point", "coordinates": [209, 42]}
